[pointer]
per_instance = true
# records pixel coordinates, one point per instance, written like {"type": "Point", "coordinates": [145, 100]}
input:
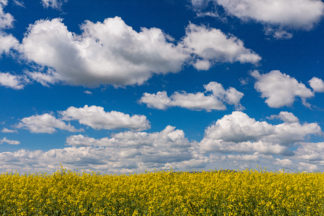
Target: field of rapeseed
{"type": "Point", "coordinates": [163, 193]}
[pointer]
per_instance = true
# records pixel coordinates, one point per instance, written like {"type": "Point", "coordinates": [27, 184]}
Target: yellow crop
{"type": "Point", "coordinates": [163, 193]}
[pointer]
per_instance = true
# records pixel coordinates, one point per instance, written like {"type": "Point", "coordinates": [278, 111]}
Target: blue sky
{"type": "Point", "coordinates": [128, 86]}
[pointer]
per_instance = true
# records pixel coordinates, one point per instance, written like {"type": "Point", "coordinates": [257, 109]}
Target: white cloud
{"type": "Point", "coordinates": [208, 14]}
{"type": "Point", "coordinates": [230, 96]}
{"type": "Point", "coordinates": [97, 118]}
{"type": "Point", "coordinates": [108, 52]}
{"type": "Point", "coordinates": [19, 3]}
{"type": "Point", "coordinates": [6, 19]}
{"type": "Point", "coordinates": [160, 100]}
{"type": "Point", "coordinates": [7, 43]}
{"type": "Point", "coordinates": [245, 157]}
{"type": "Point", "coordinates": [211, 45]}
{"type": "Point", "coordinates": [285, 116]}
{"type": "Point", "coordinates": [280, 89]}
{"type": "Point", "coordinates": [202, 64]}
{"type": "Point", "coordinates": [292, 13]}
{"type": "Point", "coordinates": [87, 92]}
{"type": "Point", "coordinates": [302, 14]}
{"type": "Point", "coordinates": [195, 101]}
{"type": "Point", "coordinates": [92, 116]}
{"type": "Point", "coordinates": [45, 123]}
{"type": "Point", "coordinates": [56, 4]}
{"type": "Point", "coordinates": [317, 84]}
{"type": "Point", "coordinates": [199, 3]}
{"type": "Point", "coordinates": [240, 133]}
{"type": "Point", "coordinates": [278, 33]}
{"type": "Point", "coordinates": [6, 130]}
{"type": "Point", "coordinates": [282, 34]}
{"type": "Point", "coordinates": [12, 81]}
{"type": "Point", "coordinates": [284, 162]}
{"type": "Point", "coordinates": [278, 16]}
{"type": "Point", "coordinates": [8, 141]}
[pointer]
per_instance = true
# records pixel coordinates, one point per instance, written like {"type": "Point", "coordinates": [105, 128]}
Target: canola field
{"type": "Point", "coordinates": [163, 193]}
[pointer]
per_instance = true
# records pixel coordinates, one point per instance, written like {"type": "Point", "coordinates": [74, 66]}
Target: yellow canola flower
{"type": "Point", "coordinates": [163, 193]}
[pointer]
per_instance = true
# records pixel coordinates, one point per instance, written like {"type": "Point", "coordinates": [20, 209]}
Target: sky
{"type": "Point", "coordinates": [125, 86]}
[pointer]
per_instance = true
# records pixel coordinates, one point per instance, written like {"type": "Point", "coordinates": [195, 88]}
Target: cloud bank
{"type": "Point", "coordinates": [235, 141]}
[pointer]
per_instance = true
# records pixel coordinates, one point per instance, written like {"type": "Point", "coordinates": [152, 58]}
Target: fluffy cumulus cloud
{"type": "Point", "coordinates": [12, 81]}
{"type": "Point", "coordinates": [8, 141]}
{"type": "Point", "coordinates": [56, 4]}
{"type": "Point", "coordinates": [111, 52]}
{"type": "Point", "coordinates": [280, 89]}
{"type": "Point", "coordinates": [96, 117]}
{"type": "Point", "coordinates": [317, 84]}
{"type": "Point", "coordinates": [235, 141]}
{"type": "Point", "coordinates": [92, 116]}
{"type": "Point", "coordinates": [211, 45]}
{"type": "Point", "coordinates": [108, 52]}
{"type": "Point", "coordinates": [213, 98]}
{"type": "Point", "coordinates": [292, 13]}
{"type": "Point", "coordinates": [45, 123]}
{"type": "Point", "coordinates": [238, 132]}
{"type": "Point", "coordinates": [278, 14]}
